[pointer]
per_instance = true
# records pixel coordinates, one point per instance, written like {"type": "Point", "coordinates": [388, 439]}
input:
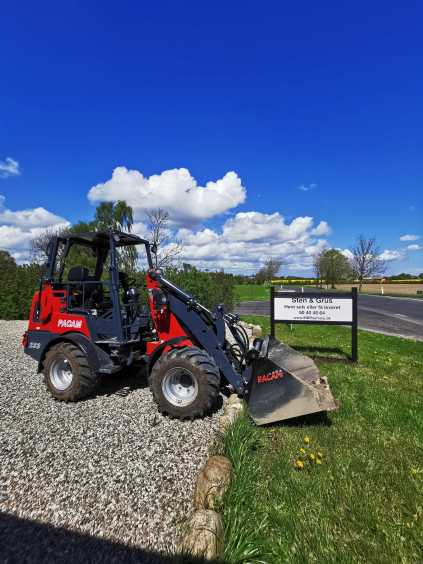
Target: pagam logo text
{"type": "Point", "coordinates": [70, 323]}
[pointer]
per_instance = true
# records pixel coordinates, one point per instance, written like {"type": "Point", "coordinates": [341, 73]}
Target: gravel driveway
{"type": "Point", "coordinates": [110, 467]}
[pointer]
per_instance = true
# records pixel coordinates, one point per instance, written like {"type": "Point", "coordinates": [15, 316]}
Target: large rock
{"type": "Point", "coordinates": [232, 399]}
{"type": "Point", "coordinates": [204, 535]}
{"type": "Point", "coordinates": [212, 482]}
{"type": "Point", "coordinates": [233, 407]}
{"type": "Point", "coordinates": [257, 331]}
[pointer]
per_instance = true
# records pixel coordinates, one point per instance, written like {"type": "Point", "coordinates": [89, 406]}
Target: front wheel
{"type": "Point", "coordinates": [185, 383]}
{"type": "Point", "coordinates": [67, 373]}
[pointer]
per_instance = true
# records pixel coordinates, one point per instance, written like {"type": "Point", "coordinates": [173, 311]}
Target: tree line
{"type": "Point", "coordinates": [333, 267]}
{"type": "Point", "coordinates": [365, 261]}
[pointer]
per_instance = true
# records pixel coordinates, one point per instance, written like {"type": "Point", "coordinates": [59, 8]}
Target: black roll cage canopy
{"type": "Point", "coordinates": [101, 242]}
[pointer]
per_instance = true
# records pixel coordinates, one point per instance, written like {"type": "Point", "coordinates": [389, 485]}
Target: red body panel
{"type": "Point", "coordinates": [165, 323]}
{"type": "Point", "coordinates": [53, 316]}
{"type": "Point", "coordinates": [55, 319]}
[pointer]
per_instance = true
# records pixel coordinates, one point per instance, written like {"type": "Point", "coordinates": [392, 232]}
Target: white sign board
{"type": "Point", "coordinates": [313, 309]}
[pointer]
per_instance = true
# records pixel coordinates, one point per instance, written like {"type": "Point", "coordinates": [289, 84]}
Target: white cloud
{"type": "Point", "coordinates": [257, 226]}
{"type": "Point", "coordinates": [307, 187]}
{"type": "Point", "coordinates": [174, 190]}
{"type": "Point", "coordinates": [18, 228]}
{"type": "Point", "coordinates": [322, 229]}
{"type": "Point", "coordinates": [9, 167]}
{"type": "Point", "coordinates": [13, 237]}
{"type": "Point", "coordinates": [389, 255]}
{"type": "Point", "coordinates": [414, 247]}
{"type": "Point", "coordinates": [248, 238]}
{"type": "Point", "coordinates": [242, 243]}
{"type": "Point", "coordinates": [17, 241]}
{"type": "Point", "coordinates": [139, 228]}
{"type": "Point", "coordinates": [35, 217]}
{"type": "Point", "coordinates": [347, 253]}
{"type": "Point", "coordinates": [409, 237]}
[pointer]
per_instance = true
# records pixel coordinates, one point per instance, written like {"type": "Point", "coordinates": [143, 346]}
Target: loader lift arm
{"type": "Point", "coordinates": [206, 327]}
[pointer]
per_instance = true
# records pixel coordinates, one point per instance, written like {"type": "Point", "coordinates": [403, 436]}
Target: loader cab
{"type": "Point", "coordinates": [86, 271]}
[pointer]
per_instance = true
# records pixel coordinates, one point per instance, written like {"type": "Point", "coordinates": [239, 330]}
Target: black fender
{"type": "Point", "coordinates": [159, 350]}
{"type": "Point", "coordinates": [40, 342]}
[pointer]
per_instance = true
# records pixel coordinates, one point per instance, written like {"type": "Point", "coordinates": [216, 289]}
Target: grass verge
{"type": "Point", "coordinates": [250, 292]}
{"type": "Point", "coordinates": [363, 501]}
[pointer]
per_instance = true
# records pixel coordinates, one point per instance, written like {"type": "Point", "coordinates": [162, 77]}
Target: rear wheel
{"type": "Point", "coordinates": [67, 373]}
{"type": "Point", "coordinates": [185, 383]}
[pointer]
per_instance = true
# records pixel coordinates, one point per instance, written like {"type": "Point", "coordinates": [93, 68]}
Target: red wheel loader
{"type": "Point", "coordinates": [87, 321]}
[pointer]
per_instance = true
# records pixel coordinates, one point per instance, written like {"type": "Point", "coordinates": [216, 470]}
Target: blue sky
{"type": "Point", "coordinates": [323, 96]}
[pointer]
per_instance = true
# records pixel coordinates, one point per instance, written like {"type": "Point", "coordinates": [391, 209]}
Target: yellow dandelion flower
{"type": "Point", "coordinates": [312, 456]}
{"type": "Point", "coordinates": [307, 440]}
{"type": "Point", "coordinates": [299, 464]}
{"type": "Point", "coordinates": [302, 450]}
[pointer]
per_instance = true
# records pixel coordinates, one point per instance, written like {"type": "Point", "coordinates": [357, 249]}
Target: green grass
{"type": "Point", "coordinates": [250, 292]}
{"type": "Point", "coordinates": [364, 503]}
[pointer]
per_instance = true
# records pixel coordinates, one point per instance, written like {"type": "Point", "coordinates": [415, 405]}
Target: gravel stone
{"type": "Point", "coordinates": [109, 466]}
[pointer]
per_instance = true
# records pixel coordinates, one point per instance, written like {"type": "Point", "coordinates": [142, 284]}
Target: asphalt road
{"type": "Point", "coordinates": [402, 317]}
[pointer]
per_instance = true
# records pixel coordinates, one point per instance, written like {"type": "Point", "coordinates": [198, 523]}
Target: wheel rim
{"type": "Point", "coordinates": [179, 387]}
{"type": "Point", "coordinates": [61, 374]}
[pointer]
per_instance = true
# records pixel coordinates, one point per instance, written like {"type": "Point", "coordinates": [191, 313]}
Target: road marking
{"type": "Point", "coordinates": [391, 297]}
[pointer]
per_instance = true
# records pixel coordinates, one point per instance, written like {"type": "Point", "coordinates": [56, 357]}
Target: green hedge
{"type": "Point", "coordinates": [209, 288]}
{"type": "Point", "coordinates": [18, 284]}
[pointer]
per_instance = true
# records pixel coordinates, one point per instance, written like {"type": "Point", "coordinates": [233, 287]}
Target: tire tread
{"type": "Point", "coordinates": [86, 379]}
{"type": "Point", "coordinates": [200, 360]}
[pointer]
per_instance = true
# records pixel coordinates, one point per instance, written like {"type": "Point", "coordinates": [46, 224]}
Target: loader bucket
{"type": "Point", "coordinates": [286, 384]}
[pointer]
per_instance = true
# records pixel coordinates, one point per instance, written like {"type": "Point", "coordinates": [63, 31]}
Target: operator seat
{"type": "Point", "coordinates": [90, 295]}
{"type": "Point", "coordinates": [77, 274]}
